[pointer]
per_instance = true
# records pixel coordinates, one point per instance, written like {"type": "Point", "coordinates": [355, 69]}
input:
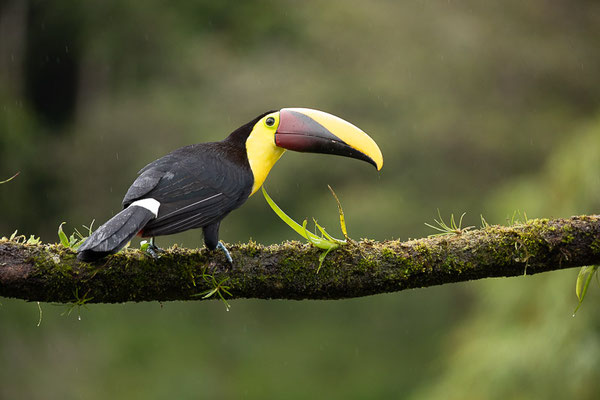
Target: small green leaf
{"type": "Point", "coordinates": [484, 223]}
{"type": "Point", "coordinates": [74, 243]}
{"type": "Point", "coordinates": [144, 244]}
{"type": "Point", "coordinates": [341, 211]}
{"type": "Point", "coordinates": [300, 230]}
{"type": "Point", "coordinates": [63, 237]}
{"type": "Point", "coordinates": [89, 228]}
{"type": "Point", "coordinates": [584, 278]}
{"type": "Point", "coordinates": [581, 281]}
{"type": "Point", "coordinates": [33, 240]}
{"type": "Point", "coordinates": [324, 232]}
{"type": "Point", "coordinates": [322, 257]}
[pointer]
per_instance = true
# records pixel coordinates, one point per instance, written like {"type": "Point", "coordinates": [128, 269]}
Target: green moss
{"type": "Point", "coordinates": [251, 248]}
{"type": "Point", "coordinates": [568, 236]}
{"type": "Point", "coordinates": [595, 246]}
{"type": "Point", "coordinates": [48, 267]}
{"type": "Point", "coordinates": [388, 255]}
{"type": "Point", "coordinates": [367, 263]}
{"type": "Point", "coordinates": [422, 249]}
{"type": "Point", "coordinates": [451, 263]}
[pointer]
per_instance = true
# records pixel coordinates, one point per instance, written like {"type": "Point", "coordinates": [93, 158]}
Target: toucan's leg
{"type": "Point", "coordinates": [211, 239]}
{"type": "Point", "coordinates": [153, 249]}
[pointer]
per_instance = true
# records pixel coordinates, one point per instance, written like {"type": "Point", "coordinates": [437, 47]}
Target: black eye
{"type": "Point", "coordinates": [270, 121]}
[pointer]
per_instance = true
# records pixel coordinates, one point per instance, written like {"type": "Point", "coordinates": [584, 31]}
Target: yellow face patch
{"type": "Point", "coordinates": [261, 149]}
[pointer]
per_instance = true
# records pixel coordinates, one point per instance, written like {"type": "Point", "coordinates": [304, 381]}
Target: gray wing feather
{"type": "Point", "coordinates": [144, 183]}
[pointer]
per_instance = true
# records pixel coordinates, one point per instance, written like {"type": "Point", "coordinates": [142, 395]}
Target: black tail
{"type": "Point", "coordinates": [115, 233]}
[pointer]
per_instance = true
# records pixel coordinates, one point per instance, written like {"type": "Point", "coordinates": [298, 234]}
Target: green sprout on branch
{"type": "Point", "coordinates": [76, 239]}
{"type": "Point", "coordinates": [518, 218]}
{"type": "Point", "coordinates": [325, 241]}
{"type": "Point", "coordinates": [446, 229]}
{"type": "Point", "coordinates": [22, 239]}
{"type": "Point", "coordinates": [78, 302]}
{"type": "Point", "coordinates": [218, 288]}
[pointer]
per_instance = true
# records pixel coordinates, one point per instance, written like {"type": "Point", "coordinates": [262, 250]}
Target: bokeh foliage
{"type": "Point", "coordinates": [480, 107]}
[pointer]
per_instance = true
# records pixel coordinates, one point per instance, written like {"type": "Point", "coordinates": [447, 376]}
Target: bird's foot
{"type": "Point", "coordinates": [154, 251]}
{"type": "Point", "coordinates": [151, 249]}
{"type": "Point", "coordinates": [221, 246]}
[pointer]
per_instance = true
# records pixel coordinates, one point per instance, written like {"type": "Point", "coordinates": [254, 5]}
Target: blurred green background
{"type": "Point", "coordinates": [479, 107]}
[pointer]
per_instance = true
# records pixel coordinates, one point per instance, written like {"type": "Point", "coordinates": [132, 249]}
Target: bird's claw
{"type": "Point", "coordinates": [221, 246]}
{"type": "Point", "coordinates": [154, 251]}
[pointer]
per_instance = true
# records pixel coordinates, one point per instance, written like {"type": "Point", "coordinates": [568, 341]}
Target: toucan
{"type": "Point", "coordinates": [196, 186]}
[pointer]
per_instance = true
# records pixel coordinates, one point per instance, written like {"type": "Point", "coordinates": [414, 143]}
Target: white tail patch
{"type": "Point", "coordinates": [149, 204]}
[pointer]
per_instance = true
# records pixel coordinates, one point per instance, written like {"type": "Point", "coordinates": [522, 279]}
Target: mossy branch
{"type": "Point", "coordinates": [51, 273]}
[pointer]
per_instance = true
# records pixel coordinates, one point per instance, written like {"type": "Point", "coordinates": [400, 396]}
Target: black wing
{"type": "Point", "coordinates": [196, 186]}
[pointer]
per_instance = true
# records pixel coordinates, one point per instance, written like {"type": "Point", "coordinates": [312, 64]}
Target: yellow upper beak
{"type": "Point", "coordinates": [307, 130]}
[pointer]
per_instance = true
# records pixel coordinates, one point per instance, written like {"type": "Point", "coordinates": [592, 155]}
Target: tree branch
{"type": "Point", "coordinates": [51, 273]}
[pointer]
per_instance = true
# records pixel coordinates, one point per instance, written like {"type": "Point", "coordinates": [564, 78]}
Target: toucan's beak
{"type": "Point", "coordinates": [313, 131]}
